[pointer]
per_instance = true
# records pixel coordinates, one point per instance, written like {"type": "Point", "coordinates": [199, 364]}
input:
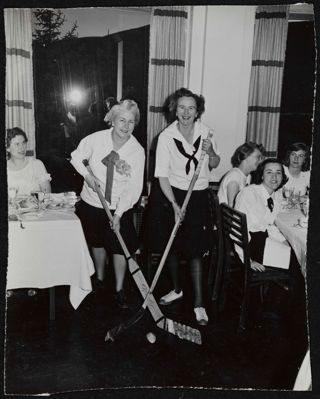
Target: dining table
{"type": "Point", "coordinates": [294, 226]}
{"type": "Point", "coordinates": [48, 249]}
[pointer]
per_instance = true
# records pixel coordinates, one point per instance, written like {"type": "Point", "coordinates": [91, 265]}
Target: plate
{"type": "Point", "coordinates": [32, 216]}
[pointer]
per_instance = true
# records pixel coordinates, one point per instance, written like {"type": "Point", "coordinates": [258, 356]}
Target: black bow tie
{"type": "Point", "coordinates": [270, 204]}
{"type": "Point", "coordinates": [191, 158]}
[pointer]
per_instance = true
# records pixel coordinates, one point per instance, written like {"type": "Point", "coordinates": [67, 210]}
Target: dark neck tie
{"type": "Point", "coordinates": [185, 154]}
{"type": "Point", "coordinates": [270, 204]}
{"type": "Point", "coordinates": [109, 161]}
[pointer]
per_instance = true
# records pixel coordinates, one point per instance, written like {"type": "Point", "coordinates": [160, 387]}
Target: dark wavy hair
{"type": "Point", "coordinates": [14, 132]}
{"type": "Point", "coordinates": [171, 103]}
{"type": "Point", "coordinates": [298, 147]}
{"type": "Point", "coordinates": [257, 178]}
{"type": "Point", "coordinates": [244, 150]}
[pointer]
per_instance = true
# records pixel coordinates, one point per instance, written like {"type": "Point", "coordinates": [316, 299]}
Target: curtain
{"type": "Point", "coordinates": [166, 66]}
{"type": "Point", "coordinates": [19, 77]}
{"type": "Point", "coordinates": [269, 45]}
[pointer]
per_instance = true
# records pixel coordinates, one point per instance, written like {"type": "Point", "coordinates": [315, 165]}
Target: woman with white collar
{"type": "Point", "coordinates": [297, 169]}
{"type": "Point", "coordinates": [177, 155]}
{"type": "Point", "coordinates": [117, 161]}
{"type": "Point", "coordinates": [261, 202]}
{"type": "Point", "coordinates": [245, 160]}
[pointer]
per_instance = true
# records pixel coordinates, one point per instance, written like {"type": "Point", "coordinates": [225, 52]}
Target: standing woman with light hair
{"type": "Point", "coordinates": [117, 161]}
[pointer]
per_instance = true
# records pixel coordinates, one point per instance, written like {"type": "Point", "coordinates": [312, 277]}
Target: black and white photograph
{"type": "Point", "coordinates": [159, 200]}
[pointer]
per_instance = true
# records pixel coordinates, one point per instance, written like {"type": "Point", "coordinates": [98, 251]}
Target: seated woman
{"type": "Point", "coordinates": [245, 160]}
{"type": "Point", "coordinates": [261, 202]}
{"type": "Point", "coordinates": [25, 174]}
{"type": "Point", "coordinates": [117, 161]}
{"type": "Point", "coordinates": [297, 164]}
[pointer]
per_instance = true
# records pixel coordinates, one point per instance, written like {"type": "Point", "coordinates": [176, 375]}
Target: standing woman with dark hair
{"type": "Point", "coordinates": [117, 161]}
{"type": "Point", "coordinates": [297, 168]}
{"type": "Point", "coordinates": [245, 160]}
{"type": "Point", "coordinates": [177, 155]}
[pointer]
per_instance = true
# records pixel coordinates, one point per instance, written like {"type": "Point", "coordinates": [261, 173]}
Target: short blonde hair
{"type": "Point", "coordinates": [125, 105]}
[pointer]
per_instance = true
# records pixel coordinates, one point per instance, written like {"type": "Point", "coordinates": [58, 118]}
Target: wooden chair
{"type": "Point", "coordinates": [235, 232]}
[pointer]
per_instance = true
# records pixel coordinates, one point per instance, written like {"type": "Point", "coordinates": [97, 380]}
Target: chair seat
{"type": "Point", "coordinates": [271, 273]}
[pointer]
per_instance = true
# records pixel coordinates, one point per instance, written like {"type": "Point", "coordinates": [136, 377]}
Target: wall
{"type": "Point", "coordinates": [219, 66]}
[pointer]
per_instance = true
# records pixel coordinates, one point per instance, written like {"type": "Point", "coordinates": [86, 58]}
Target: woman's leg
{"type": "Point", "coordinates": [119, 266]}
{"type": "Point", "coordinates": [176, 293]}
{"type": "Point", "coordinates": [197, 281]}
{"type": "Point", "coordinates": [99, 259]}
{"type": "Point", "coordinates": [196, 270]}
{"type": "Point", "coordinates": [173, 265]}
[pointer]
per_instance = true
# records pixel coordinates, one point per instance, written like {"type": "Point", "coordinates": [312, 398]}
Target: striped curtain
{"type": "Point", "coordinates": [269, 45]}
{"type": "Point", "coordinates": [19, 75]}
{"type": "Point", "coordinates": [166, 65]}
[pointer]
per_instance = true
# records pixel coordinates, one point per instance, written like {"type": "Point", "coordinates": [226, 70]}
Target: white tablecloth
{"type": "Point", "coordinates": [49, 251]}
{"type": "Point", "coordinates": [296, 235]}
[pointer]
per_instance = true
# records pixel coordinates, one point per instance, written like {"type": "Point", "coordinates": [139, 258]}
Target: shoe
{"type": "Point", "coordinates": [32, 292]}
{"type": "Point", "coordinates": [201, 316]}
{"type": "Point", "coordinates": [171, 297]}
{"type": "Point", "coordinates": [121, 300]}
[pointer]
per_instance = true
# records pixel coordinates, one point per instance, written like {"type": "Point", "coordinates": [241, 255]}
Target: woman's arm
{"type": "Point", "coordinates": [232, 190]}
{"type": "Point", "coordinates": [167, 191]}
{"type": "Point", "coordinates": [45, 186]}
{"type": "Point", "coordinates": [214, 158]}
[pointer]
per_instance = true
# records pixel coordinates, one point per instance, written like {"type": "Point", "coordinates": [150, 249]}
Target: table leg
{"type": "Point", "coordinates": [52, 304]}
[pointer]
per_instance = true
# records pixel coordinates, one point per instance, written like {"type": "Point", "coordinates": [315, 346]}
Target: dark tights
{"type": "Point", "coordinates": [195, 265]}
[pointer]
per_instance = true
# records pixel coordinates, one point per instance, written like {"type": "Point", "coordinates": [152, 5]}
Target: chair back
{"type": "Point", "coordinates": [235, 232]}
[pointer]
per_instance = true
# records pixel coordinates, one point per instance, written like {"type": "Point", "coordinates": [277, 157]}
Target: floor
{"type": "Point", "coordinates": [70, 354]}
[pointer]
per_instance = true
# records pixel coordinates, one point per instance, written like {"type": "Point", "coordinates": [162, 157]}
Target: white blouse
{"type": "Point", "coordinates": [177, 159]}
{"type": "Point", "coordinates": [252, 200]}
{"type": "Point", "coordinates": [128, 172]}
{"type": "Point", "coordinates": [29, 178]}
{"type": "Point", "coordinates": [234, 175]}
{"type": "Point", "coordinates": [297, 183]}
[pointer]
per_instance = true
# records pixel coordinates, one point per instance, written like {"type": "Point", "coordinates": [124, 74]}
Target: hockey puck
{"type": "Point", "coordinates": [151, 337]}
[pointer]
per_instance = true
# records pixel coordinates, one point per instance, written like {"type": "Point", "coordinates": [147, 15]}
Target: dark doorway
{"type": "Point", "coordinates": [298, 87]}
{"type": "Point", "coordinates": [88, 64]}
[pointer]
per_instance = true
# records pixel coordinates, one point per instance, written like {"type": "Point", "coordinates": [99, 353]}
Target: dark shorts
{"type": "Point", "coordinates": [192, 239]}
{"type": "Point", "coordinates": [98, 233]}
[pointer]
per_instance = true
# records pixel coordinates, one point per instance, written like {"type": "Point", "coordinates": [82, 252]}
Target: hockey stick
{"type": "Point", "coordinates": [149, 294]}
{"type": "Point", "coordinates": [177, 224]}
{"type": "Point", "coordinates": [171, 326]}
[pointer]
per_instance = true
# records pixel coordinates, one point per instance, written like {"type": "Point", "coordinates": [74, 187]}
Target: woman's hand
{"type": "Point", "coordinates": [115, 224]}
{"type": "Point", "coordinates": [214, 159]}
{"type": "Point", "coordinates": [177, 212]}
{"type": "Point", "coordinates": [90, 180]}
{"type": "Point", "coordinates": [207, 147]}
{"type": "Point", "coordinates": [257, 266]}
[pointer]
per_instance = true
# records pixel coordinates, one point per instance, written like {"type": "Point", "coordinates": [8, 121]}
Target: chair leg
{"type": "Point", "coordinates": [52, 303]}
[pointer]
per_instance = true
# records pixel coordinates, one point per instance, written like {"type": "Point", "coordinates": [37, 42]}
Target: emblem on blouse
{"type": "Point", "coordinates": [123, 168]}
